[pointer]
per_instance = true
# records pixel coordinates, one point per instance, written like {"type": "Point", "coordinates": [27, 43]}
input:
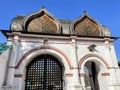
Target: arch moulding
{"type": "Point", "coordinates": [83, 59]}
{"type": "Point", "coordinates": [44, 50]}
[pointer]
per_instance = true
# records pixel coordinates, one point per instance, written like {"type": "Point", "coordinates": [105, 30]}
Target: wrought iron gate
{"type": "Point", "coordinates": [44, 73]}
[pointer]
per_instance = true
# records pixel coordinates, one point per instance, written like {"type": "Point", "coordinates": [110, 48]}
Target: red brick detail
{"type": "Point", "coordinates": [68, 74]}
{"type": "Point", "coordinates": [41, 48]}
{"type": "Point", "coordinates": [11, 67]}
{"type": "Point", "coordinates": [105, 74]}
{"type": "Point", "coordinates": [74, 68]}
{"type": "Point", "coordinates": [92, 55]}
{"type": "Point", "coordinates": [81, 74]}
{"type": "Point", "coordinates": [18, 75]}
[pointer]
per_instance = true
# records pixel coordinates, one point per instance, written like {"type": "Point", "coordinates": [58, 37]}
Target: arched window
{"type": "Point", "coordinates": [44, 73]}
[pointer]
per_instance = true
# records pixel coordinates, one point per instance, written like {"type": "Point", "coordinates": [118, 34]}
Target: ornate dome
{"type": "Point", "coordinates": [86, 26]}
{"type": "Point", "coordinates": [42, 22]}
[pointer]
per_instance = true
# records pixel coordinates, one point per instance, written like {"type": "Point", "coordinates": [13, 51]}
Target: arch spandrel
{"type": "Point", "coordinates": [26, 58]}
{"type": "Point", "coordinates": [42, 22]}
{"type": "Point", "coordinates": [86, 26]}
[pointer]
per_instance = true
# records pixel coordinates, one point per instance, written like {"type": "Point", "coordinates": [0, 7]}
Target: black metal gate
{"type": "Point", "coordinates": [44, 73]}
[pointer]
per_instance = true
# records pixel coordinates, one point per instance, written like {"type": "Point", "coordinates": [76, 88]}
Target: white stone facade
{"type": "Point", "coordinates": [72, 52]}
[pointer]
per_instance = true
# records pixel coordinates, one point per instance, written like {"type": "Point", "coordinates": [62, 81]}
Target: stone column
{"type": "Point", "coordinates": [74, 58]}
{"type": "Point", "coordinates": [11, 65]}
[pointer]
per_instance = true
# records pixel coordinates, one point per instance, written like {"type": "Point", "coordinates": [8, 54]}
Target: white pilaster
{"type": "Point", "coordinates": [74, 58]}
{"type": "Point", "coordinates": [11, 64]}
{"type": "Point", "coordinates": [113, 85]}
{"type": "Point", "coordinates": [107, 51]}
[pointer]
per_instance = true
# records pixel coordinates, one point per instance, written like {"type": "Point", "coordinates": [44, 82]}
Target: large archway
{"type": "Point", "coordinates": [44, 73]}
{"type": "Point", "coordinates": [95, 69]}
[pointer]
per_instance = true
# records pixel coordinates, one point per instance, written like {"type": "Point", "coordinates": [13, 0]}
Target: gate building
{"type": "Point", "coordinates": [47, 53]}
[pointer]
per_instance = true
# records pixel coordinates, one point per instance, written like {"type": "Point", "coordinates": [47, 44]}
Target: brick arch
{"type": "Point", "coordinates": [92, 55]}
{"type": "Point", "coordinates": [42, 48]}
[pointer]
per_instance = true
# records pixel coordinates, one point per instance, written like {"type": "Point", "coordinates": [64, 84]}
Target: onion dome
{"type": "Point", "coordinates": [87, 26]}
{"type": "Point", "coordinates": [42, 22]}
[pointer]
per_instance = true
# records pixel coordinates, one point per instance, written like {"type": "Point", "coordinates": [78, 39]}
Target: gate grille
{"type": "Point", "coordinates": [44, 73]}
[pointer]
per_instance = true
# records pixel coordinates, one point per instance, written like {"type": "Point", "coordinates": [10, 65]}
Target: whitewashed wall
{"type": "Point", "coordinates": [27, 47]}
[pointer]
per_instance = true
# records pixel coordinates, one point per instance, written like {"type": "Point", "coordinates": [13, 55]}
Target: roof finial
{"type": "Point", "coordinates": [43, 7]}
{"type": "Point", "coordinates": [85, 11]}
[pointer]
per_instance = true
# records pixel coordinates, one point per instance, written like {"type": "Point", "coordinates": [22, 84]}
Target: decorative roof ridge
{"type": "Point", "coordinates": [19, 17]}
{"type": "Point", "coordinates": [65, 20]}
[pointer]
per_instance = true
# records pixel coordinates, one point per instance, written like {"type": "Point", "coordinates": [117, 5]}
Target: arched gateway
{"type": "Point", "coordinates": [48, 53]}
{"type": "Point", "coordinates": [44, 73]}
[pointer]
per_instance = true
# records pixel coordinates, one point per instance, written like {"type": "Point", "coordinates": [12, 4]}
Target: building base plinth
{"type": "Point", "coordinates": [74, 87]}
{"type": "Point", "coordinates": [88, 88]}
{"type": "Point", "coordinates": [8, 87]}
{"type": "Point", "coordinates": [114, 86]}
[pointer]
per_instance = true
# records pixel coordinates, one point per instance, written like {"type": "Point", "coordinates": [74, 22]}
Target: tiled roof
{"type": "Point", "coordinates": [3, 47]}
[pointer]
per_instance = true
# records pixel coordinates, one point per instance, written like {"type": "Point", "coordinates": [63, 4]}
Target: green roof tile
{"type": "Point", "coordinates": [3, 47]}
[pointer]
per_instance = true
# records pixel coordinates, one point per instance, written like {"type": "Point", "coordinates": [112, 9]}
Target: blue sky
{"type": "Point", "coordinates": [107, 12]}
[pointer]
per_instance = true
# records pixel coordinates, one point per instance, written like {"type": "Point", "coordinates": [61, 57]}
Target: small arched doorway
{"type": "Point", "coordinates": [44, 73]}
{"type": "Point", "coordinates": [91, 75]}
